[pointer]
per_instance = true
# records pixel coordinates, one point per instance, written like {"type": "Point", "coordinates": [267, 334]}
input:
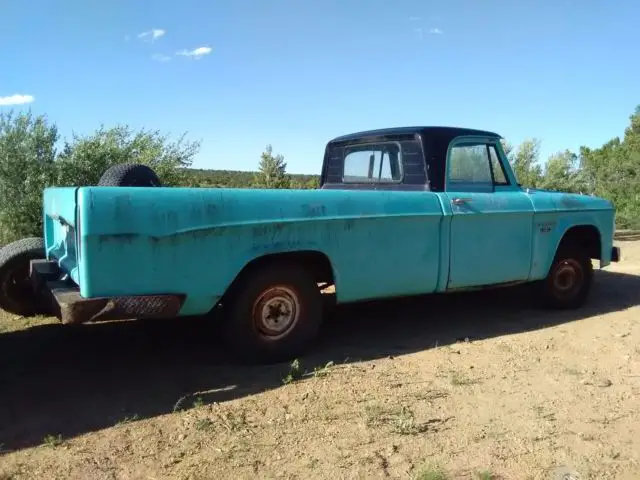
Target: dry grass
{"type": "Point", "coordinates": [475, 386]}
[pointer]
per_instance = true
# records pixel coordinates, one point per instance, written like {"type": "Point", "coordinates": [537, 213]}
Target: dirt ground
{"type": "Point", "coordinates": [479, 385]}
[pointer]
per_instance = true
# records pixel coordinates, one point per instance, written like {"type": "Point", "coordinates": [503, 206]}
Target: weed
{"type": "Point", "coordinates": [178, 405]}
{"type": "Point", "coordinates": [374, 415]}
{"type": "Point", "coordinates": [233, 421]}
{"type": "Point", "coordinates": [431, 395]}
{"type": "Point", "coordinates": [296, 371]}
{"type": "Point", "coordinates": [485, 475]}
{"type": "Point", "coordinates": [587, 437]}
{"type": "Point", "coordinates": [322, 371]}
{"type": "Point", "coordinates": [400, 420]}
{"type": "Point", "coordinates": [52, 440]}
{"type": "Point", "coordinates": [459, 379]}
{"type": "Point", "coordinates": [404, 422]}
{"type": "Point", "coordinates": [126, 420]}
{"type": "Point", "coordinates": [431, 473]}
{"type": "Point", "coordinates": [204, 424]}
{"type": "Point", "coordinates": [572, 371]}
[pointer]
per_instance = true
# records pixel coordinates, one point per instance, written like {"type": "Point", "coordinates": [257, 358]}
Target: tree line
{"type": "Point", "coordinates": [32, 157]}
{"type": "Point", "coordinates": [611, 171]}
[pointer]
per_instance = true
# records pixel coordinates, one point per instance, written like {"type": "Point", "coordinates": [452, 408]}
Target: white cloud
{"type": "Point", "coordinates": [196, 53]}
{"type": "Point", "coordinates": [435, 31]}
{"type": "Point", "coordinates": [152, 34]}
{"type": "Point", "coordinates": [160, 57]}
{"type": "Point", "coordinates": [16, 99]}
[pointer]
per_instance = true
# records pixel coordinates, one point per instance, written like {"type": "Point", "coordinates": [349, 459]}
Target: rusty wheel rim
{"type": "Point", "coordinates": [276, 312]}
{"type": "Point", "coordinates": [568, 278]}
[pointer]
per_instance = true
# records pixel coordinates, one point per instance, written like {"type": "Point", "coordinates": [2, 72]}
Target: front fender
{"type": "Point", "coordinates": [550, 230]}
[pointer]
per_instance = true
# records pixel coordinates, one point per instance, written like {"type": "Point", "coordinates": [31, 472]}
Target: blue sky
{"type": "Point", "coordinates": [297, 73]}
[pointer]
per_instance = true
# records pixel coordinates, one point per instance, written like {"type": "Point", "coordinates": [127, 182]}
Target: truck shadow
{"type": "Point", "coordinates": [70, 381]}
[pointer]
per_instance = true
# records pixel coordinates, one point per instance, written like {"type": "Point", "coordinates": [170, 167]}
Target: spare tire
{"type": "Point", "coordinates": [16, 293]}
{"type": "Point", "coordinates": [129, 175]}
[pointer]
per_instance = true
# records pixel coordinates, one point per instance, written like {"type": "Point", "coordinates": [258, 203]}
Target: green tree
{"type": "Point", "coordinates": [507, 148]}
{"type": "Point", "coordinates": [85, 158]}
{"type": "Point", "coordinates": [29, 162]}
{"type": "Point", "coordinates": [241, 179]}
{"type": "Point", "coordinates": [27, 155]}
{"type": "Point", "coordinates": [272, 171]}
{"type": "Point", "coordinates": [525, 163]}
{"type": "Point", "coordinates": [612, 171]}
{"type": "Point", "coordinates": [561, 173]}
{"type": "Point", "coordinates": [312, 183]}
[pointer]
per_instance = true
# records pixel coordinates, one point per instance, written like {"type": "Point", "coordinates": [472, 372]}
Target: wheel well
{"type": "Point", "coordinates": [587, 237]}
{"type": "Point", "coordinates": [316, 263]}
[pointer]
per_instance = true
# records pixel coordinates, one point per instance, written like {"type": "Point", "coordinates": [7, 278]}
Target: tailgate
{"type": "Point", "coordinates": [59, 210]}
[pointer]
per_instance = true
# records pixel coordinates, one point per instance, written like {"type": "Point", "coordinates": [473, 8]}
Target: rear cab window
{"type": "Point", "coordinates": [373, 163]}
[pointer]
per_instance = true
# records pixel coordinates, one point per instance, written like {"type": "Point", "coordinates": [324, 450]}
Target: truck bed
{"type": "Point", "coordinates": [194, 241]}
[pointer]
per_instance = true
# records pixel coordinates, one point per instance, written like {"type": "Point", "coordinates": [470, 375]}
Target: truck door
{"type": "Point", "coordinates": [492, 218]}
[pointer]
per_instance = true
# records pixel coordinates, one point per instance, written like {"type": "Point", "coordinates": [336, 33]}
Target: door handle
{"type": "Point", "coordinates": [460, 201]}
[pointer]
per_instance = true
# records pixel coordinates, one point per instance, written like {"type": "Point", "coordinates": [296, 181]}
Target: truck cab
{"type": "Point", "coordinates": [498, 231]}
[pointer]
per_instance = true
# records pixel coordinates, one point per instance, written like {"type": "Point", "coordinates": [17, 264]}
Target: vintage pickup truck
{"type": "Point", "coordinates": [399, 212]}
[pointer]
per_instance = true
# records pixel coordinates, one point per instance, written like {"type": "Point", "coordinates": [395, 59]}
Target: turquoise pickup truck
{"type": "Point", "coordinates": [399, 212]}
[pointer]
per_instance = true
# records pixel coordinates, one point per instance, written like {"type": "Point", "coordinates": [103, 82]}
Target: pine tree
{"type": "Point", "coordinates": [272, 171]}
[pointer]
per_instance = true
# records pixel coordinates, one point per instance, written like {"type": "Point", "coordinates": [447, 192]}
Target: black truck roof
{"type": "Point", "coordinates": [434, 140]}
{"type": "Point", "coordinates": [442, 132]}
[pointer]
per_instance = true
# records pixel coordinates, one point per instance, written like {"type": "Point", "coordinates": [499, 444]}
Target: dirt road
{"type": "Point", "coordinates": [457, 386]}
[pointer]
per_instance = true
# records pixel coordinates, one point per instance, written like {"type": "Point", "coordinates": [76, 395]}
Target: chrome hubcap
{"type": "Point", "coordinates": [276, 312]}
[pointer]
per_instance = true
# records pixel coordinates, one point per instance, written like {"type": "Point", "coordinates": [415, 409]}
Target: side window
{"type": "Point", "coordinates": [477, 164]}
{"type": "Point", "coordinates": [469, 164]}
{"type": "Point", "coordinates": [499, 177]}
{"type": "Point", "coordinates": [372, 163]}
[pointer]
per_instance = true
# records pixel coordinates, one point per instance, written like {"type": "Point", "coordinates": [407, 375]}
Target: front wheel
{"type": "Point", "coordinates": [275, 313]}
{"type": "Point", "coordinates": [569, 279]}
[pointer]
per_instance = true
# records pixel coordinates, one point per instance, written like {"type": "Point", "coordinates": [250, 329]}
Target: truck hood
{"type": "Point", "coordinates": [573, 201]}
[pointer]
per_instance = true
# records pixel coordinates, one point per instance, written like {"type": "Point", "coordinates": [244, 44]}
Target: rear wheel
{"type": "Point", "coordinates": [273, 314]}
{"type": "Point", "coordinates": [569, 279]}
{"type": "Point", "coordinates": [129, 175]}
{"type": "Point", "coordinates": [16, 293]}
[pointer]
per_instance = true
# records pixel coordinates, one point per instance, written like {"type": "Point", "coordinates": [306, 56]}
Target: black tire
{"type": "Point", "coordinates": [16, 294]}
{"type": "Point", "coordinates": [569, 280]}
{"type": "Point", "coordinates": [247, 332]}
{"type": "Point", "coordinates": [129, 175]}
